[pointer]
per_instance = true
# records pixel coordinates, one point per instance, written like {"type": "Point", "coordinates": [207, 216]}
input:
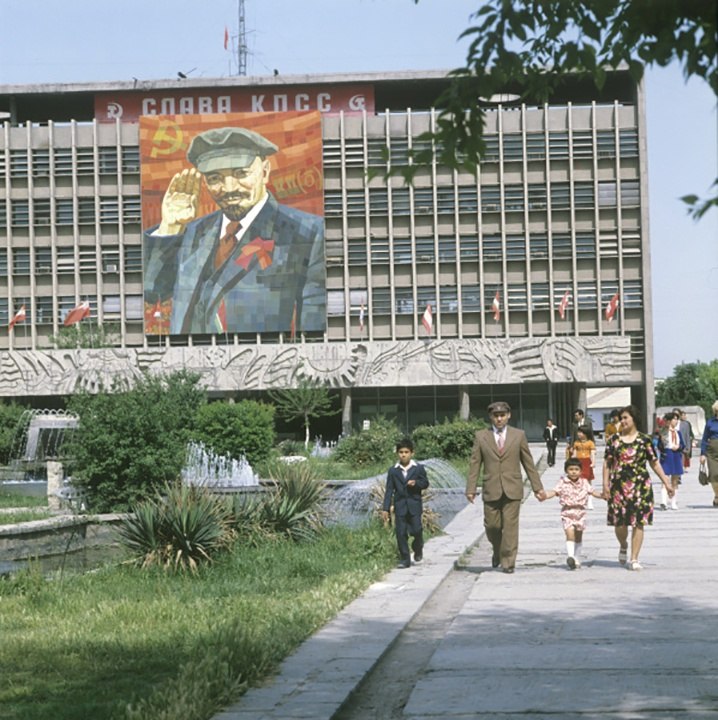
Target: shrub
{"type": "Point", "coordinates": [177, 529]}
{"type": "Point", "coordinates": [292, 447]}
{"type": "Point", "coordinates": [372, 446]}
{"type": "Point", "coordinates": [243, 428]}
{"type": "Point", "coordinates": [450, 439]}
{"type": "Point", "coordinates": [130, 442]}
{"type": "Point", "coordinates": [10, 414]}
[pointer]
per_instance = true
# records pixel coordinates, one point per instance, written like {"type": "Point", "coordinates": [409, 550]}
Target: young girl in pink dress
{"type": "Point", "coordinates": [573, 492]}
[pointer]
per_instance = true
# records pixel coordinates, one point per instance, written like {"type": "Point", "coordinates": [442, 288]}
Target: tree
{"type": "Point", "coordinates": [690, 384]}
{"type": "Point", "coordinates": [244, 428]}
{"type": "Point", "coordinates": [309, 400]}
{"type": "Point", "coordinates": [86, 334]}
{"type": "Point", "coordinates": [515, 42]}
{"type": "Point", "coordinates": [130, 442]}
{"type": "Point", "coordinates": [10, 415]}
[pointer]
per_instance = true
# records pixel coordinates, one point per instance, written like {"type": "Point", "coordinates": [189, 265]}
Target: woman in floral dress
{"type": "Point", "coordinates": [627, 484]}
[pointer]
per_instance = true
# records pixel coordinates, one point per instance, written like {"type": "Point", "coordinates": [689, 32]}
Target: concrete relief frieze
{"type": "Point", "coordinates": [226, 368]}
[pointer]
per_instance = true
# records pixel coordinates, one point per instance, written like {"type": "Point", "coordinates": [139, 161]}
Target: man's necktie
{"type": "Point", "coordinates": [226, 244]}
{"type": "Point", "coordinates": [674, 438]}
{"type": "Point", "coordinates": [500, 442]}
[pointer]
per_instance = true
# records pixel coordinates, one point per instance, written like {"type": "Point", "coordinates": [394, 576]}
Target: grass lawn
{"type": "Point", "coordinates": [11, 500]}
{"type": "Point", "coordinates": [175, 647]}
{"type": "Point", "coordinates": [17, 516]}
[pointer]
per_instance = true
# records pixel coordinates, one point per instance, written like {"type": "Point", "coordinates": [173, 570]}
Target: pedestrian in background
{"type": "Point", "coordinates": [627, 484]}
{"type": "Point", "coordinates": [671, 446]}
{"type": "Point", "coordinates": [686, 430]}
{"type": "Point", "coordinates": [709, 451]}
{"type": "Point", "coordinates": [550, 436]}
{"type": "Point", "coordinates": [573, 492]}
{"type": "Point", "coordinates": [502, 451]}
{"type": "Point", "coordinates": [405, 482]}
{"type": "Point", "coordinates": [584, 450]}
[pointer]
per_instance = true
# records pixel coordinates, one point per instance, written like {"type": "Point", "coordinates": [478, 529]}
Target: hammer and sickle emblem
{"type": "Point", "coordinates": [114, 110]}
{"type": "Point", "coordinates": [167, 140]}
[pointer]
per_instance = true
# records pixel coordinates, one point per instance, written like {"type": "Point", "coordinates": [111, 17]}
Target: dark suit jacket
{"type": "Point", "coordinates": [407, 499]}
{"type": "Point", "coordinates": [256, 299]}
{"type": "Point", "coordinates": [550, 434]}
{"type": "Point", "coordinates": [502, 471]}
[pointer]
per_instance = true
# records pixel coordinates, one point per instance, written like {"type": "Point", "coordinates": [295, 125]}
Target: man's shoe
{"type": "Point", "coordinates": [418, 557]}
{"type": "Point", "coordinates": [495, 561]}
{"type": "Point", "coordinates": [571, 562]}
{"type": "Point", "coordinates": [663, 506]}
{"type": "Point", "coordinates": [403, 565]}
{"type": "Point", "coordinates": [508, 571]}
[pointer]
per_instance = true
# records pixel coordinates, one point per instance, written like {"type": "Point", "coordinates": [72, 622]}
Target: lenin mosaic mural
{"type": "Point", "coordinates": [233, 208]}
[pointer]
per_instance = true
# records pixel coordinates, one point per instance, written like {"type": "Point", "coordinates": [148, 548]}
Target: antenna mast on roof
{"type": "Point", "coordinates": [241, 40]}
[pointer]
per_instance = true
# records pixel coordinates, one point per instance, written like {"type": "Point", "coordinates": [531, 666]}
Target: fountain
{"type": "Point", "coordinates": [352, 502]}
{"type": "Point", "coordinates": [203, 467]}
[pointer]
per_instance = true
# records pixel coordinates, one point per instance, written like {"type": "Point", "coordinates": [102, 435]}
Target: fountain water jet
{"type": "Point", "coordinates": [203, 467]}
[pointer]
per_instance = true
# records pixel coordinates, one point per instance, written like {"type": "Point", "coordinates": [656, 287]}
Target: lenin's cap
{"type": "Point", "coordinates": [498, 407]}
{"type": "Point", "coordinates": [227, 148]}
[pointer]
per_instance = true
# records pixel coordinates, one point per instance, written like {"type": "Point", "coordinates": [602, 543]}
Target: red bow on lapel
{"type": "Point", "coordinates": [259, 247]}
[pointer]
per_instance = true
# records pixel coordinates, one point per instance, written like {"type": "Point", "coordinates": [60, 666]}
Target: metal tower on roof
{"type": "Point", "coordinates": [242, 50]}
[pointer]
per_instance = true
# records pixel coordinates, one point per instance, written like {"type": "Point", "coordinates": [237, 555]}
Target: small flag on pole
{"type": "Point", "coordinates": [226, 37]}
{"type": "Point", "coordinates": [612, 307]}
{"type": "Point", "coordinates": [427, 320]}
{"type": "Point", "coordinates": [17, 318]}
{"type": "Point", "coordinates": [77, 313]}
{"type": "Point", "coordinates": [563, 304]}
{"type": "Point", "coordinates": [293, 324]}
{"type": "Point", "coordinates": [496, 305]}
{"type": "Point", "coordinates": [361, 317]}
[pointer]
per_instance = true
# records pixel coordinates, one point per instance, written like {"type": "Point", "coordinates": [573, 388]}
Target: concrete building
{"type": "Point", "coordinates": [557, 211]}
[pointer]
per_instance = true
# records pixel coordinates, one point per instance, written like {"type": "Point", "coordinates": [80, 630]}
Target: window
{"type": "Point", "coordinates": [468, 200]}
{"type": "Point", "coordinates": [537, 197]}
{"type": "Point", "coordinates": [492, 247]}
{"type": "Point", "coordinates": [108, 160]}
{"type": "Point", "coordinates": [400, 201]}
{"type": "Point", "coordinates": [42, 211]}
{"type": "Point", "coordinates": [332, 203]}
{"type": "Point", "coordinates": [43, 261]}
{"type": "Point", "coordinates": [133, 258]}
{"type": "Point", "coordinates": [404, 298]}
{"type": "Point", "coordinates": [131, 209]}
{"type": "Point", "coordinates": [40, 163]}
{"type": "Point", "coordinates": [517, 297]}
{"type": "Point", "coordinates": [88, 260]}
{"type": "Point", "coordinates": [632, 296]}
{"type": "Point", "coordinates": [3, 262]}
{"type": "Point", "coordinates": [469, 247]}
{"type": "Point", "coordinates": [513, 197]}
{"type": "Point", "coordinates": [64, 212]}
{"type": "Point", "coordinates": [131, 159]}
{"type": "Point", "coordinates": [402, 250]}
{"type": "Point", "coordinates": [585, 245]}
{"type": "Point", "coordinates": [607, 194]}
{"type": "Point", "coordinates": [134, 307]}
{"type": "Point", "coordinates": [111, 260]}
{"type": "Point", "coordinates": [535, 146]}
{"type": "Point", "coordinates": [20, 216]}
{"type": "Point", "coordinates": [379, 201]}
{"type": "Point", "coordinates": [423, 201]}
{"type": "Point", "coordinates": [18, 163]}
{"type": "Point", "coordinates": [490, 198]}
{"type": "Point", "coordinates": [586, 295]}
{"type": "Point", "coordinates": [357, 252]}
{"type": "Point", "coordinates": [630, 193]}
{"type": "Point", "coordinates": [560, 196]}
{"type": "Point", "coordinates": [449, 298]}
{"type": "Point", "coordinates": [86, 211]}
{"type": "Point", "coordinates": [538, 245]}
{"type": "Point", "coordinates": [85, 161]}
{"type": "Point", "coordinates": [562, 245]}
{"type": "Point", "coordinates": [515, 247]}
{"type": "Point", "coordinates": [445, 203]}
{"type": "Point", "coordinates": [583, 195]}
{"type": "Point", "coordinates": [380, 251]}
{"type": "Point", "coordinates": [425, 249]}
{"type": "Point", "coordinates": [628, 142]}
{"type": "Point", "coordinates": [21, 261]}
{"type": "Point", "coordinates": [471, 298]}
{"type": "Point", "coordinates": [63, 161]}
{"type": "Point", "coordinates": [335, 303]}
{"type": "Point", "coordinates": [582, 144]}
{"type": "Point", "coordinates": [606, 143]}
{"type": "Point", "coordinates": [43, 310]}
{"type": "Point", "coordinates": [540, 299]}
{"type": "Point", "coordinates": [66, 261]}
{"type": "Point", "coordinates": [491, 148]}
{"type": "Point", "coordinates": [447, 249]}
{"type": "Point", "coordinates": [513, 147]}
{"type": "Point", "coordinates": [334, 250]}
{"type": "Point", "coordinates": [558, 145]}
{"type": "Point", "coordinates": [381, 301]}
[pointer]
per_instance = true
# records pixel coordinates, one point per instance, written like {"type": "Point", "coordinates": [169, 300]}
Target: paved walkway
{"type": "Point", "coordinates": [597, 642]}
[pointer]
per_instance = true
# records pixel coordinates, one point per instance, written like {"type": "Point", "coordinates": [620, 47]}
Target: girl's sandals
{"type": "Point", "coordinates": [623, 555]}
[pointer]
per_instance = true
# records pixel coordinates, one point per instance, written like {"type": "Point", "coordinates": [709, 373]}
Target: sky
{"type": "Point", "coordinates": [44, 41]}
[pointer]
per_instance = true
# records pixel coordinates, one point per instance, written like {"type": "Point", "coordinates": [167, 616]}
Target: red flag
{"type": "Point", "coordinates": [427, 320]}
{"type": "Point", "coordinates": [612, 307]}
{"type": "Point", "coordinates": [563, 304]}
{"type": "Point", "coordinates": [361, 317]}
{"type": "Point", "coordinates": [496, 305]}
{"type": "Point", "coordinates": [293, 324]}
{"type": "Point", "coordinates": [226, 37]}
{"type": "Point", "coordinates": [18, 318]}
{"type": "Point", "coordinates": [77, 313]}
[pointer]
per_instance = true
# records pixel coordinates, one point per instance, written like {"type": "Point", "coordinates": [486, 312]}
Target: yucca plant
{"type": "Point", "coordinates": [178, 529]}
{"type": "Point", "coordinates": [295, 507]}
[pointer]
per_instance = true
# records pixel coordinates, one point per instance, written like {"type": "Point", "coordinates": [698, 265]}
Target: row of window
{"type": "Point", "coordinates": [561, 145]}
{"type": "Point", "coordinates": [404, 250]}
{"type": "Point", "coordinates": [487, 198]}
{"type": "Point", "coordinates": [69, 259]}
{"type": "Point", "coordinates": [68, 211]}
{"type": "Point", "coordinates": [43, 162]}
{"type": "Point", "coordinates": [47, 308]}
{"type": "Point", "coordinates": [475, 298]}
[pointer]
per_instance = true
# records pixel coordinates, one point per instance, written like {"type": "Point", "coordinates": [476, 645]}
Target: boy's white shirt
{"type": "Point", "coordinates": [405, 469]}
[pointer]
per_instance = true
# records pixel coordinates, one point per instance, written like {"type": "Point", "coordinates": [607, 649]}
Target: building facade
{"type": "Point", "coordinates": [517, 262]}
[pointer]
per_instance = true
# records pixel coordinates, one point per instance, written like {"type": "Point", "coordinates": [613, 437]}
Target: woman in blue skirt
{"type": "Point", "coordinates": [672, 447]}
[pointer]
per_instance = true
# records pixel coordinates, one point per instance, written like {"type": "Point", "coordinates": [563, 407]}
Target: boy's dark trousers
{"type": "Point", "coordinates": [409, 524]}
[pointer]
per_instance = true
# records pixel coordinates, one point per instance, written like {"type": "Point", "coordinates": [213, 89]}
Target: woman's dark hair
{"type": "Point", "coordinates": [669, 416]}
{"type": "Point", "coordinates": [586, 430]}
{"type": "Point", "coordinates": [634, 412]}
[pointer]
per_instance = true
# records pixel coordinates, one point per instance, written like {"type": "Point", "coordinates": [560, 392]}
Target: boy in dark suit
{"type": "Point", "coordinates": [404, 485]}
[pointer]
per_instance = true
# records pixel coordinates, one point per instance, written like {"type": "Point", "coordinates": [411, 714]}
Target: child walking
{"type": "Point", "coordinates": [584, 449]}
{"type": "Point", "coordinates": [405, 482]}
{"type": "Point", "coordinates": [573, 492]}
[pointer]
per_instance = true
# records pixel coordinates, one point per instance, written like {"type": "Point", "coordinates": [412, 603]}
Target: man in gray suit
{"type": "Point", "coordinates": [254, 265]}
{"type": "Point", "coordinates": [501, 451]}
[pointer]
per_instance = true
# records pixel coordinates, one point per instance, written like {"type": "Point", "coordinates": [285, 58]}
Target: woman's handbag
{"type": "Point", "coordinates": [703, 478]}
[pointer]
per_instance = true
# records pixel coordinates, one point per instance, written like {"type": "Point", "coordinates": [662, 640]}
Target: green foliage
{"type": "Point", "coordinates": [295, 506]}
{"type": "Point", "coordinates": [178, 529]}
{"type": "Point", "coordinates": [130, 442]}
{"type": "Point", "coordinates": [368, 447]}
{"type": "Point", "coordinates": [512, 42]}
{"type": "Point", "coordinates": [292, 447]}
{"type": "Point", "coordinates": [690, 384]}
{"type": "Point", "coordinates": [450, 439]}
{"type": "Point", "coordinates": [10, 414]}
{"type": "Point", "coordinates": [12, 500]}
{"type": "Point", "coordinates": [308, 400]}
{"type": "Point", "coordinates": [19, 516]}
{"type": "Point", "coordinates": [243, 428]}
{"type": "Point", "coordinates": [87, 334]}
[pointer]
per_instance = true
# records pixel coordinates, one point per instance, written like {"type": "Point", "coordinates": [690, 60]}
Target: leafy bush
{"type": "Point", "coordinates": [130, 442]}
{"type": "Point", "coordinates": [10, 414]}
{"type": "Point", "coordinates": [372, 446]}
{"type": "Point", "coordinates": [292, 447]}
{"type": "Point", "coordinates": [243, 428]}
{"type": "Point", "coordinates": [178, 529]}
{"type": "Point", "coordinates": [450, 439]}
